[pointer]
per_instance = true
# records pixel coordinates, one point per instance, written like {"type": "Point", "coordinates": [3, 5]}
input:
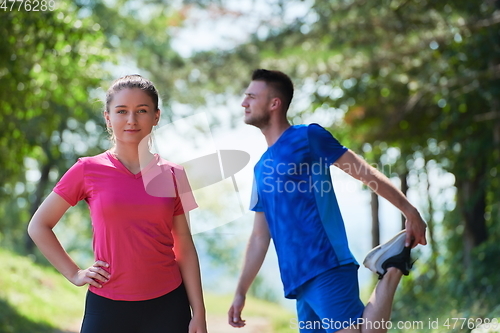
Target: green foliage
{"type": "Point", "coordinates": [34, 298]}
{"type": "Point", "coordinates": [48, 61]}
{"type": "Point", "coordinates": [139, 33]}
{"type": "Point", "coordinates": [452, 291]}
{"type": "Point", "coordinates": [420, 76]}
{"type": "Point", "coordinates": [11, 321]}
{"type": "Point", "coordinates": [38, 299]}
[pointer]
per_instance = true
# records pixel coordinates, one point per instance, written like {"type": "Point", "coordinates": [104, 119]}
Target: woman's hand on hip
{"type": "Point", "coordinates": [95, 275]}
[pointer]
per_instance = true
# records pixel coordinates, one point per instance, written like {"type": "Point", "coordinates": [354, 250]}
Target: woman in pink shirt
{"type": "Point", "coordinates": [146, 276]}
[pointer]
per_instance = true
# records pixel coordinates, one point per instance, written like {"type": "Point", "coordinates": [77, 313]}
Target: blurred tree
{"type": "Point", "coordinates": [419, 75]}
{"type": "Point", "coordinates": [49, 61]}
{"type": "Point", "coordinates": [405, 72]}
{"type": "Point", "coordinates": [422, 76]}
{"type": "Point", "coordinates": [139, 33]}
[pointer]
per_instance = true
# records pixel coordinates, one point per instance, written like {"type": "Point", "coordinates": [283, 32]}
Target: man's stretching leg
{"type": "Point", "coordinates": [378, 309]}
{"type": "Point", "coordinates": [379, 306]}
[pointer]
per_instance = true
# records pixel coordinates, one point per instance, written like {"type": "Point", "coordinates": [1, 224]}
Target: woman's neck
{"type": "Point", "coordinates": [131, 156]}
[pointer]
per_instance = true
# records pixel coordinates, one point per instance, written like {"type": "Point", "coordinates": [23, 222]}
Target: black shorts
{"type": "Point", "coordinates": [169, 313]}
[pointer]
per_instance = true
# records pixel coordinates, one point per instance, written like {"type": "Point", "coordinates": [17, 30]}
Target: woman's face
{"type": "Point", "coordinates": [131, 116]}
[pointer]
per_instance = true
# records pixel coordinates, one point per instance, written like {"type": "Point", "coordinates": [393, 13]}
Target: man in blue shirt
{"type": "Point", "coordinates": [295, 205]}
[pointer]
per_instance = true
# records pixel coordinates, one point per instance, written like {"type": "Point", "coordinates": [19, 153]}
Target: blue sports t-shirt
{"type": "Point", "coordinates": [293, 188]}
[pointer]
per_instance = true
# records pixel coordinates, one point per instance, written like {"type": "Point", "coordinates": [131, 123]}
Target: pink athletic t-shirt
{"type": "Point", "coordinates": [132, 219]}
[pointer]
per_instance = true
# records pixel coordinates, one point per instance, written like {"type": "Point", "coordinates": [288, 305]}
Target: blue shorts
{"type": "Point", "coordinates": [330, 301]}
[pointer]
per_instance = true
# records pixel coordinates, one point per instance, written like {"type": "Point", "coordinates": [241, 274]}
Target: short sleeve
{"type": "Point", "coordinates": [185, 201]}
{"type": "Point", "coordinates": [323, 145]}
{"type": "Point", "coordinates": [255, 204]}
{"type": "Point", "coordinates": [71, 186]}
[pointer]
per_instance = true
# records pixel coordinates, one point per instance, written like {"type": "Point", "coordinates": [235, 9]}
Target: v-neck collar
{"type": "Point", "coordinates": [118, 164]}
{"type": "Point", "coordinates": [284, 134]}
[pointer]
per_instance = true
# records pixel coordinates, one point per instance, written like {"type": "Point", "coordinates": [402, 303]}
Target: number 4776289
{"type": "Point", "coordinates": [27, 5]}
{"type": "Point", "coordinates": [470, 323]}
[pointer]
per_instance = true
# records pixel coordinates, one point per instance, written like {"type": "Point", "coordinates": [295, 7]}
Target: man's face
{"type": "Point", "coordinates": [257, 102]}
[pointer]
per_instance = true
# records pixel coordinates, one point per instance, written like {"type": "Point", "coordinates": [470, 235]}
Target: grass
{"type": "Point", "coordinates": [278, 316]}
{"type": "Point", "coordinates": [35, 298]}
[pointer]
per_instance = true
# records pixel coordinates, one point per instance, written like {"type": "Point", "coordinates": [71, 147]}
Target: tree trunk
{"type": "Point", "coordinates": [472, 198]}
{"type": "Point", "coordinates": [375, 220]}
{"type": "Point", "coordinates": [39, 194]}
{"type": "Point", "coordinates": [404, 188]}
{"type": "Point", "coordinates": [430, 227]}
